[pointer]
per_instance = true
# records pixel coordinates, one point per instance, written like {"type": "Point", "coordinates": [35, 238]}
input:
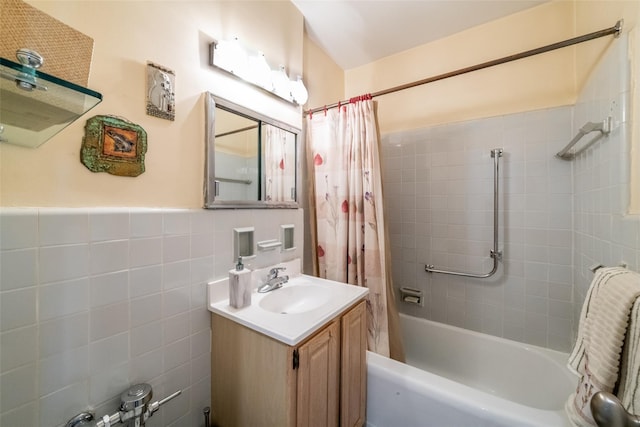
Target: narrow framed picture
{"type": "Point", "coordinates": [161, 83]}
{"type": "Point", "coordinates": [113, 145]}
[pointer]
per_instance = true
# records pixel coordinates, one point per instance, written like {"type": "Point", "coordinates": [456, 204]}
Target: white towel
{"type": "Point", "coordinates": [629, 386]}
{"type": "Point", "coordinates": [601, 336]}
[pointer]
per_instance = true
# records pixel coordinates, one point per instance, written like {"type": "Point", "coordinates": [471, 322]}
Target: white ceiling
{"type": "Point", "coordinates": [357, 32]}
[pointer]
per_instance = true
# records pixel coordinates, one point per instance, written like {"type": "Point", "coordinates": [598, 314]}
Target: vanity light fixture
{"type": "Point", "coordinates": [252, 67]}
{"type": "Point", "coordinates": [299, 91]}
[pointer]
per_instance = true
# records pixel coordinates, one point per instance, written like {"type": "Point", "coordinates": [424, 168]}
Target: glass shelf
{"type": "Point", "coordinates": [29, 117]}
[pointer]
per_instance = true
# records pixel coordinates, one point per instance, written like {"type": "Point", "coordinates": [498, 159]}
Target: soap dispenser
{"type": "Point", "coordinates": [239, 286]}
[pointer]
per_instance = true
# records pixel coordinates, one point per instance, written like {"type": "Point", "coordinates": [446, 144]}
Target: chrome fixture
{"type": "Point", "coordinates": [495, 254]}
{"type": "Point", "coordinates": [273, 280]}
{"type": "Point", "coordinates": [31, 61]}
{"type": "Point", "coordinates": [603, 127]}
{"type": "Point", "coordinates": [616, 30]}
{"type": "Point", "coordinates": [607, 411]}
{"type": "Point", "coordinates": [134, 407]}
{"type": "Point", "coordinates": [598, 266]}
{"type": "Point", "coordinates": [35, 106]}
{"type": "Point", "coordinates": [253, 68]}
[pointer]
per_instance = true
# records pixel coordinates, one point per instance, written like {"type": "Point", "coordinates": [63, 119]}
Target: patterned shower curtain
{"type": "Point", "coordinates": [279, 166]}
{"type": "Point", "coordinates": [346, 202]}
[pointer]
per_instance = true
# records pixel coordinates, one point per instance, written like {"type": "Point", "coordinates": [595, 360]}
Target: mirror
{"type": "Point", "coordinates": [251, 159]}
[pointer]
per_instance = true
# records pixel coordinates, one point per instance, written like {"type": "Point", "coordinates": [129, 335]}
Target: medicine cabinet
{"type": "Point", "coordinates": [251, 159]}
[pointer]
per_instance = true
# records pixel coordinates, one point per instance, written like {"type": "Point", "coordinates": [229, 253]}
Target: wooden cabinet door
{"type": "Point", "coordinates": [319, 378]}
{"type": "Point", "coordinates": [252, 378]}
{"type": "Point", "coordinates": [353, 380]}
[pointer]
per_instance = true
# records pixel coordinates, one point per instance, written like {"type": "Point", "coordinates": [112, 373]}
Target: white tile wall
{"type": "Point", "coordinates": [439, 195]}
{"type": "Point", "coordinates": [604, 233]}
{"type": "Point", "coordinates": [94, 300]}
{"type": "Point", "coordinates": [557, 218]}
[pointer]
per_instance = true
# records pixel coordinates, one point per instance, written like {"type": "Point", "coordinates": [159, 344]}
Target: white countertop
{"type": "Point", "coordinates": [290, 328]}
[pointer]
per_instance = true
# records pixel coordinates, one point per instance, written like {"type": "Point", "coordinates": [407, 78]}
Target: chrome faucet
{"type": "Point", "coordinates": [273, 280]}
{"type": "Point", "coordinates": [608, 411]}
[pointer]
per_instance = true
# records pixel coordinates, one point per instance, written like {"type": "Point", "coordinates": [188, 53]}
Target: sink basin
{"type": "Point", "coordinates": [295, 299]}
{"type": "Point", "coordinates": [289, 314]}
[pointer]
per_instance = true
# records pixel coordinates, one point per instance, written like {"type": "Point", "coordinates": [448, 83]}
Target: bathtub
{"type": "Point", "coordinates": [459, 378]}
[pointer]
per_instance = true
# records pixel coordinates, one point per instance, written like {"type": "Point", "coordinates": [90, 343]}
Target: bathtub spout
{"type": "Point", "coordinates": [608, 412]}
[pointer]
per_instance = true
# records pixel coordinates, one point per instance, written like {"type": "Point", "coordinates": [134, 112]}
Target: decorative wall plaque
{"type": "Point", "coordinates": [160, 92]}
{"type": "Point", "coordinates": [113, 145]}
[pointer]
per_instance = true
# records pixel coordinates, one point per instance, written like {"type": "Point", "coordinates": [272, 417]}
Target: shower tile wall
{"type": "Point", "coordinates": [95, 300]}
{"type": "Point", "coordinates": [604, 232]}
{"type": "Point", "coordinates": [439, 194]}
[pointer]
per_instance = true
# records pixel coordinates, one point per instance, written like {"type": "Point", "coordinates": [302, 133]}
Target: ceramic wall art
{"type": "Point", "coordinates": [160, 92]}
{"type": "Point", "coordinates": [113, 145]}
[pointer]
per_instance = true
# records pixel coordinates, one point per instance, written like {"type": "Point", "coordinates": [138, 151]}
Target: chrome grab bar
{"type": "Point", "coordinates": [607, 411]}
{"type": "Point", "coordinates": [495, 254]}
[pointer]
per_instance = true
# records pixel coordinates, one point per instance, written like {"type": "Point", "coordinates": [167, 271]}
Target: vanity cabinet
{"type": "Point", "coordinates": [259, 381]}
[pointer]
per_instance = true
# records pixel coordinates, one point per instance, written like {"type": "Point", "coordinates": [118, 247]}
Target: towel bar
{"type": "Point", "coordinates": [596, 267]}
{"type": "Point", "coordinates": [603, 127]}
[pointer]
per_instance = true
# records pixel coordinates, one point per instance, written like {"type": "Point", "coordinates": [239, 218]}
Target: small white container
{"type": "Point", "coordinates": [240, 286]}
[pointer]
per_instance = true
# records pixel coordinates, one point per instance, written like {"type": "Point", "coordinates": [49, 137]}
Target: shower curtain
{"type": "Point", "coordinates": [279, 164]}
{"type": "Point", "coordinates": [349, 235]}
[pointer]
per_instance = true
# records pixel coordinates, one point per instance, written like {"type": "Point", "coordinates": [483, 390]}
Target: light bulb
{"type": "Point", "coordinates": [299, 91]}
{"type": "Point", "coordinates": [281, 84]}
{"type": "Point", "coordinates": [221, 55]}
{"type": "Point", "coordinates": [238, 60]}
{"type": "Point", "coordinates": [260, 72]}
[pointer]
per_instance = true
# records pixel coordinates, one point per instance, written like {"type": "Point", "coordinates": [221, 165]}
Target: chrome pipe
{"type": "Point", "coordinates": [495, 253]}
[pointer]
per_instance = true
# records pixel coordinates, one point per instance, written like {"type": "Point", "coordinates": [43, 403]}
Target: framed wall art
{"type": "Point", "coordinates": [113, 145]}
{"type": "Point", "coordinates": [160, 92]}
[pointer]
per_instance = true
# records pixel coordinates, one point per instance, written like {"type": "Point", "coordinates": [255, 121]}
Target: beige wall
{"type": "Point", "coordinates": [529, 84]}
{"type": "Point", "coordinates": [325, 78]}
{"type": "Point", "coordinates": [174, 34]}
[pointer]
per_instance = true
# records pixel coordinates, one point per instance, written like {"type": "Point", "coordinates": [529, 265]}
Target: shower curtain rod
{"type": "Point", "coordinates": [615, 30]}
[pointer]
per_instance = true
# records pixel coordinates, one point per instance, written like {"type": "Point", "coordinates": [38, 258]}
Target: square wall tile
{"type": "Point", "coordinates": [63, 333]}
{"type": "Point", "coordinates": [108, 225]}
{"type": "Point", "coordinates": [107, 257]}
{"type": "Point", "coordinates": [176, 222]}
{"type": "Point", "coordinates": [18, 387]}
{"type": "Point", "coordinates": [17, 308]}
{"type": "Point", "coordinates": [63, 369]}
{"type": "Point", "coordinates": [18, 228]}
{"type": "Point", "coordinates": [109, 288]}
{"type": "Point", "coordinates": [144, 281]}
{"type": "Point", "coordinates": [58, 263]}
{"type": "Point", "coordinates": [145, 309]}
{"type": "Point", "coordinates": [18, 269]}
{"type": "Point", "coordinates": [144, 223]}
{"type": "Point", "coordinates": [107, 321]}
{"type": "Point", "coordinates": [18, 347]}
{"type": "Point", "coordinates": [107, 353]}
{"type": "Point", "coordinates": [63, 227]}
{"type": "Point", "coordinates": [144, 252]}
{"type": "Point", "coordinates": [62, 299]}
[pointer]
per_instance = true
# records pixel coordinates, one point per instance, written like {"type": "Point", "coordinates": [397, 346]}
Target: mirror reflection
{"type": "Point", "coordinates": [236, 161]}
{"type": "Point", "coordinates": [251, 159]}
{"type": "Point", "coordinates": [279, 155]}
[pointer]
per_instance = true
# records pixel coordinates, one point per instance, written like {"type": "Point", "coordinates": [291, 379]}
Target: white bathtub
{"type": "Point", "coordinates": [459, 378]}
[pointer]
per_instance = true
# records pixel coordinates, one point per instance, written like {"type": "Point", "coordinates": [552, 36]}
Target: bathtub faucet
{"type": "Point", "coordinates": [607, 411]}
